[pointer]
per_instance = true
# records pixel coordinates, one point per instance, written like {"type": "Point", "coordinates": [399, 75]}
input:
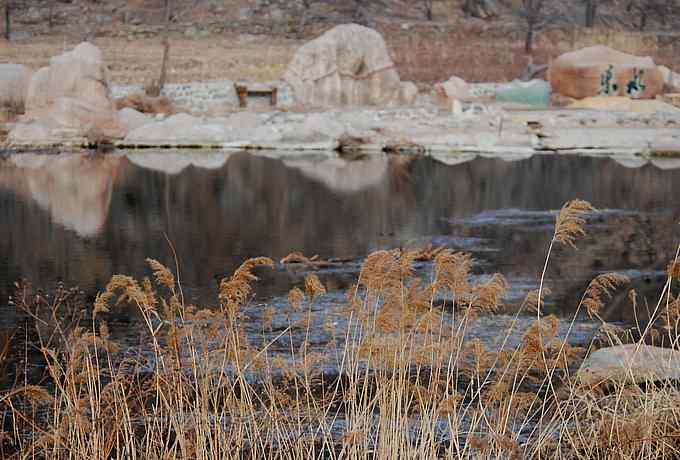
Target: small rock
{"type": "Point", "coordinates": [452, 89]}
{"type": "Point", "coordinates": [632, 363]}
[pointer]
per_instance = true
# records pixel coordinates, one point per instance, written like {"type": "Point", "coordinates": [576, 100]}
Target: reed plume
{"type": "Point", "coordinates": [162, 274]}
{"type": "Point", "coordinates": [600, 289]}
{"type": "Point", "coordinates": [570, 222]}
{"type": "Point", "coordinates": [236, 290]}
{"type": "Point", "coordinates": [313, 286]}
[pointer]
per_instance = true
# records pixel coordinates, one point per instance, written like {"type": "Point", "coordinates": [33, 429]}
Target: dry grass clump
{"type": "Point", "coordinates": [398, 376]}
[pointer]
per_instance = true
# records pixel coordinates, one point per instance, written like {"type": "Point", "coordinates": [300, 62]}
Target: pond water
{"type": "Point", "coordinates": [79, 218]}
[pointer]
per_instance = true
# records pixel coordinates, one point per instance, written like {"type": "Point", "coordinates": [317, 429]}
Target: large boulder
{"type": "Point", "coordinates": [600, 70]}
{"type": "Point", "coordinates": [348, 65]}
{"type": "Point", "coordinates": [71, 95]}
{"type": "Point", "coordinates": [14, 80]}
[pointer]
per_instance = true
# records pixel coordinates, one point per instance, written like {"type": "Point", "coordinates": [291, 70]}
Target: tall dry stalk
{"type": "Point", "coordinates": [402, 375]}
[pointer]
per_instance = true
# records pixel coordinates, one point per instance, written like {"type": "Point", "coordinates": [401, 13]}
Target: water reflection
{"type": "Point", "coordinates": [74, 189]}
{"type": "Point", "coordinates": [81, 218]}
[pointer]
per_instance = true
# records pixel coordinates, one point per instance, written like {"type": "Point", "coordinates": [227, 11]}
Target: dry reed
{"type": "Point", "coordinates": [399, 378]}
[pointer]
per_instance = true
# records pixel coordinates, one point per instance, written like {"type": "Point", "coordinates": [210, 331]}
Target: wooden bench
{"type": "Point", "coordinates": [245, 91]}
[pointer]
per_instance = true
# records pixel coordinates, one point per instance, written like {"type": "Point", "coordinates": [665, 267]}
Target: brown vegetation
{"type": "Point", "coordinates": [405, 372]}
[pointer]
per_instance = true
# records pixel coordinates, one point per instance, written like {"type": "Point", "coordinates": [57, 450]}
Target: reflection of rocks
{"type": "Point", "coordinates": [218, 210]}
{"type": "Point", "coordinates": [453, 159]}
{"type": "Point", "coordinates": [342, 175]}
{"type": "Point", "coordinates": [175, 163]}
{"type": "Point", "coordinates": [74, 189]}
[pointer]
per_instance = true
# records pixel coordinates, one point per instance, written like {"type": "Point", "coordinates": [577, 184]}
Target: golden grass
{"type": "Point", "coordinates": [138, 61]}
{"type": "Point", "coordinates": [409, 382]}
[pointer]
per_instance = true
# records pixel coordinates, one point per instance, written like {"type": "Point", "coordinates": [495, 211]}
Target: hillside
{"type": "Point", "coordinates": [254, 39]}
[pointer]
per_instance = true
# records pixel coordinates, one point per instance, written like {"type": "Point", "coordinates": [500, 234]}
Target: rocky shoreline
{"type": "Point", "coordinates": [479, 128]}
{"type": "Point", "coordinates": [341, 92]}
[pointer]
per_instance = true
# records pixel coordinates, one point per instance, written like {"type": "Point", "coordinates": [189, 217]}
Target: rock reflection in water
{"type": "Point", "coordinates": [75, 189]}
{"type": "Point", "coordinates": [82, 218]}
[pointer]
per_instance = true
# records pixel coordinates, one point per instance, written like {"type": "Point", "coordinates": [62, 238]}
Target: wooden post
{"type": "Point", "coordinates": [164, 65]}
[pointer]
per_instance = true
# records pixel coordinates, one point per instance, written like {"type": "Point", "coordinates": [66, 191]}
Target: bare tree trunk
{"type": "Point", "coordinates": [8, 19]}
{"type": "Point", "coordinates": [591, 12]}
{"type": "Point", "coordinates": [533, 10]}
{"type": "Point", "coordinates": [50, 13]}
{"type": "Point", "coordinates": [168, 11]}
{"type": "Point", "coordinates": [643, 19]}
{"type": "Point", "coordinates": [529, 41]}
{"type": "Point", "coordinates": [164, 65]}
{"type": "Point", "coordinates": [359, 13]}
{"type": "Point", "coordinates": [427, 5]}
{"type": "Point", "coordinates": [166, 47]}
{"type": "Point", "coordinates": [306, 5]}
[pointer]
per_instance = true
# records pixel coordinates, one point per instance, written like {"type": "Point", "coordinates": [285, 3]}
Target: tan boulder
{"type": "Point", "coordinates": [71, 96]}
{"type": "Point", "coordinates": [348, 65]}
{"type": "Point", "coordinates": [600, 70]}
{"type": "Point", "coordinates": [14, 80]}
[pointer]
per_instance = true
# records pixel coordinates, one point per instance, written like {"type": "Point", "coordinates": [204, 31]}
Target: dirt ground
{"type": "Point", "coordinates": [232, 57]}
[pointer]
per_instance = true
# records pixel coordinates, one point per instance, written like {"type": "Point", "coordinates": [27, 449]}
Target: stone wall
{"type": "Point", "coordinates": [206, 98]}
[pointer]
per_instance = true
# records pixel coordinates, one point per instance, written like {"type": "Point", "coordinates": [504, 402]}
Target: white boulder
{"type": "Point", "coordinates": [348, 65]}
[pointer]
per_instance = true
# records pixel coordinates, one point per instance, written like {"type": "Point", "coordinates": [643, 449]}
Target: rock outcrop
{"type": "Point", "coordinates": [632, 363]}
{"type": "Point", "coordinates": [348, 65]}
{"type": "Point", "coordinates": [600, 70]}
{"type": "Point", "coordinates": [70, 98]}
{"type": "Point", "coordinates": [14, 80]}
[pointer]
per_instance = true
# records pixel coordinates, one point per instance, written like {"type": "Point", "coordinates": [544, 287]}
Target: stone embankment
{"type": "Point", "coordinates": [341, 91]}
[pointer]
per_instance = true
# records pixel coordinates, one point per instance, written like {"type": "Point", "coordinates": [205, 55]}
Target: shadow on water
{"type": "Point", "coordinates": [80, 218]}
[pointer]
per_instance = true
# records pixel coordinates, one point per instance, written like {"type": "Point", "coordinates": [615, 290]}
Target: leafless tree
{"type": "Point", "coordinates": [591, 12]}
{"type": "Point", "coordinates": [306, 6]}
{"type": "Point", "coordinates": [483, 9]}
{"type": "Point", "coordinates": [359, 15]}
{"type": "Point", "coordinates": [532, 10]}
{"type": "Point", "coordinates": [427, 8]}
{"type": "Point", "coordinates": [8, 19]}
{"type": "Point", "coordinates": [645, 9]}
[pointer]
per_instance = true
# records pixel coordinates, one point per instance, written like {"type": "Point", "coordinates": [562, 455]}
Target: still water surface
{"type": "Point", "coordinates": [79, 218]}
